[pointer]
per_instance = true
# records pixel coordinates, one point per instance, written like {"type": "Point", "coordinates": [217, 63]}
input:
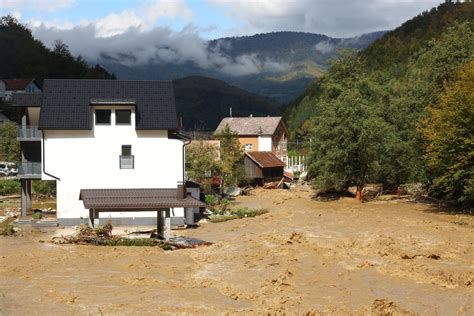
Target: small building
{"type": "Point", "coordinates": [263, 166]}
{"type": "Point", "coordinates": [259, 134]}
{"type": "Point", "coordinates": [19, 86]}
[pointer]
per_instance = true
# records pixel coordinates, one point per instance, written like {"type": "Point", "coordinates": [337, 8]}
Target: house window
{"type": "Point", "coordinates": [102, 117]}
{"type": "Point", "coordinates": [248, 146]}
{"type": "Point", "coordinates": [123, 117]}
{"type": "Point", "coordinates": [126, 158]}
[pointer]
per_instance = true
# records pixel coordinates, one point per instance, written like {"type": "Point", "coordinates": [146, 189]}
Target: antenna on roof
{"type": "Point", "coordinates": [230, 111]}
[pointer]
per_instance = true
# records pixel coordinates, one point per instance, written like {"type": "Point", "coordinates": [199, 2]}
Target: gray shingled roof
{"type": "Point", "coordinates": [250, 125]}
{"type": "Point", "coordinates": [65, 103]}
{"type": "Point", "coordinates": [27, 99]}
{"type": "Point", "coordinates": [135, 199]}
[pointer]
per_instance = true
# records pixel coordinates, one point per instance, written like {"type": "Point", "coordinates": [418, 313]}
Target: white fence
{"type": "Point", "coordinates": [296, 164]}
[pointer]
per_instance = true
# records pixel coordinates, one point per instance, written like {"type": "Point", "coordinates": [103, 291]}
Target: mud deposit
{"type": "Point", "coordinates": [302, 257]}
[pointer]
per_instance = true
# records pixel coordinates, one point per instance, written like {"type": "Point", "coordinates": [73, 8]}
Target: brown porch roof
{"type": "Point", "coordinates": [265, 159]}
{"type": "Point", "coordinates": [135, 199]}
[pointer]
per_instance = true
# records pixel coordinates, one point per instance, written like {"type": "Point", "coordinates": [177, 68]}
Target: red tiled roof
{"type": "Point", "coordinates": [135, 199]}
{"type": "Point", "coordinates": [265, 159]}
{"type": "Point", "coordinates": [16, 84]}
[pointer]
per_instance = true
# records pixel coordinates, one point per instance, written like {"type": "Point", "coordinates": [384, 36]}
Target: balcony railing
{"type": "Point", "coordinates": [127, 162]}
{"type": "Point", "coordinates": [29, 132]}
{"type": "Point", "coordinates": [29, 170]}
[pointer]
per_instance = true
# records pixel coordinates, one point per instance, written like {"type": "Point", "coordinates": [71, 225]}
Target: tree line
{"type": "Point", "coordinates": [410, 120]}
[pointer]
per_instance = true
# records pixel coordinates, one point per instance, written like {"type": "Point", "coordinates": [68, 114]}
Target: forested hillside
{"type": "Point", "coordinates": [370, 117]}
{"type": "Point", "coordinates": [22, 56]}
{"type": "Point", "coordinates": [297, 57]}
{"type": "Point", "coordinates": [203, 102]}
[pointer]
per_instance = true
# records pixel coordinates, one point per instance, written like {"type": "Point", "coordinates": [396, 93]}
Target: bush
{"type": "Point", "coordinates": [8, 230]}
{"type": "Point", "coordinates": [44, 188]}
{"type": "Point", "coordinates": [37, 215]}
{"type": "Point", "coordinates": [235, 214]}
{"type": "Point", "coordinates": [8, 187]}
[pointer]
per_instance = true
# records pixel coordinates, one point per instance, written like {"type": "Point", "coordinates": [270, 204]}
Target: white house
{"type": "Point", "coordinates": [113, 148]}
{"type": "Point", "coordinates": [13, 86]}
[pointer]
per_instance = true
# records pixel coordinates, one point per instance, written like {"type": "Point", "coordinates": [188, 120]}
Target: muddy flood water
{"type": "Point", "coordinates": [303, 257]}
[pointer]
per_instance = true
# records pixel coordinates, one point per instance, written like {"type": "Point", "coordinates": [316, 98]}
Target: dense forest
{"type": "Point", "coordinates": [400, 111]}
{"type": "Point", "coordinates": [203, 102]}
{"type": "Point", "coordinates": [23, 56]}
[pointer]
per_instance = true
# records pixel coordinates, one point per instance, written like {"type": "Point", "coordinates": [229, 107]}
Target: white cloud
{"type": "Point", "coordinates": [36, 5]}
{"type": "Point", "coordinates": [338, 18]}
{"type": "Point", "coordinates": [114, 24]}
{"type": "Point", "coordinates": [136, 46]}
{"type": "Point", "coordinates": [324, 47]}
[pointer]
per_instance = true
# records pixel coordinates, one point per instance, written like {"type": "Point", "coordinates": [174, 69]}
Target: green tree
{"type": "Point", "coordinates": [448, 130]}
{"type": "Point", "coordinates": [349, 132]}
{"type": "Point", "coordinates": [232, 157]}
{"type": "Point", "coordinates": [9, 145]}
{"type": "Point", "coordinates": [202, 161]}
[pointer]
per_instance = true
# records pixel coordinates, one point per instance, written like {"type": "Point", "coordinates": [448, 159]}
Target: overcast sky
{"type": "Point", "coordinates": [217, 18]}
{"type": "Point", "coordinates": [177, 30]}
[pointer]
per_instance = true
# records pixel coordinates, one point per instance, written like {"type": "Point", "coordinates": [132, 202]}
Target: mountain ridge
{"type": "Point", "coordinates": [300, 57]}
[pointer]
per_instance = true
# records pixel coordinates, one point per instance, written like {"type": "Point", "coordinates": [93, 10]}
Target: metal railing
{"type": "Point", "coordinates": [29, 169]}
{"type": "Point", "coordinates": [28, 132]}
{"type": "Point", "coordinates": [127, 162]}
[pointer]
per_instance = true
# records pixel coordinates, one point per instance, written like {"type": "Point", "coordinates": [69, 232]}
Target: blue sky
{"type": "Point", "coordinates": [217, 18]}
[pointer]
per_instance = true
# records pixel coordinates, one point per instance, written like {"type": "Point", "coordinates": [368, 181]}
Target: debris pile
{"type": "Point", "coordinates": [102, 236]}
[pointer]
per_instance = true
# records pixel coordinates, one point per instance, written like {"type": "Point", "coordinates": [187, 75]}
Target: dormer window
{"type": "Point", "coordinates": [102, 117]}
{"type": "Point", "coordinates": [123, 117]}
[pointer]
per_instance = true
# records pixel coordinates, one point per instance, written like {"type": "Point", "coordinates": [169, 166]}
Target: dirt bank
{"type": "Point", "coordinates": [302, 257]}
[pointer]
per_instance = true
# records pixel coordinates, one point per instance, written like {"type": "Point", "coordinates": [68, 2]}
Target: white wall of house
{"type": "Point", "coordinates": [89, 159]}
{"type": "Point", "coordinates": [264, 143]}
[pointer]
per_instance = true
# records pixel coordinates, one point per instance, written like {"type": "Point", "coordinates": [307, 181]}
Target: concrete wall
{"type": "Point", "coordinates": [89, 159]}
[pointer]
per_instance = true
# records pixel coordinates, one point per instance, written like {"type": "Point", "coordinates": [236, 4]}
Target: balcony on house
{"type": "Point", "coordinates": [127, 162]}
{"type": "Point", "coordinates": [29, 133]}
{"type": "Point", "coordinates": [29, 170]}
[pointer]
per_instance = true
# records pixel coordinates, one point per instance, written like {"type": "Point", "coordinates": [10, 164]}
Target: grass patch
{"type": "Point", "coordinates": [8, 230]}
{"type": "Point", "coordinates": [236, 214]}
{"type": "Point", "coordinates": [37, 215]}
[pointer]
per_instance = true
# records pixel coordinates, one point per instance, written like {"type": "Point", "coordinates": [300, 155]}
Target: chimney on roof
{"type": "Point", "coordinates": [230, 111]}
{"type": "Point", "coordinates": [181, 191]}
{"type": "Point", "coordinates": [251, 115]}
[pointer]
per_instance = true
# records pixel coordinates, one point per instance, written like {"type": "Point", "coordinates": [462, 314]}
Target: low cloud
{"type": "Point", "coordinates": [136, 46]}
{"type": "Point", "coordinates": [324, 47]}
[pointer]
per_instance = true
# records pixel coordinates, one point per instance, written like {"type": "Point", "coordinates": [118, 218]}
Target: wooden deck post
{"type": "Point", "coordinates": [168, 225]}
{"type": "Point", "coordinates": [159, 224]}
{"type": "Point", "coordinates": [91, 217]}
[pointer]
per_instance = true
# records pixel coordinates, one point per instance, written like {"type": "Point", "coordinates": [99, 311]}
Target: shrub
{"type": "Point", "coordinates": [8, 187]}
{"type": "Point", "coordinates": [45, 188]}
{"type": "Point", "coordinates": [37, 215]}
{"type": "Point", "coordinates": [8, 230]}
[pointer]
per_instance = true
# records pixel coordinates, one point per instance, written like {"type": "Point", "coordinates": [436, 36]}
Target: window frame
{"type": "Point", "coordinates": [129, 117]}
{"type": "Point", "coordinates": [248, 146]}
{"type": "Point", "coordinates": [103, 110]}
